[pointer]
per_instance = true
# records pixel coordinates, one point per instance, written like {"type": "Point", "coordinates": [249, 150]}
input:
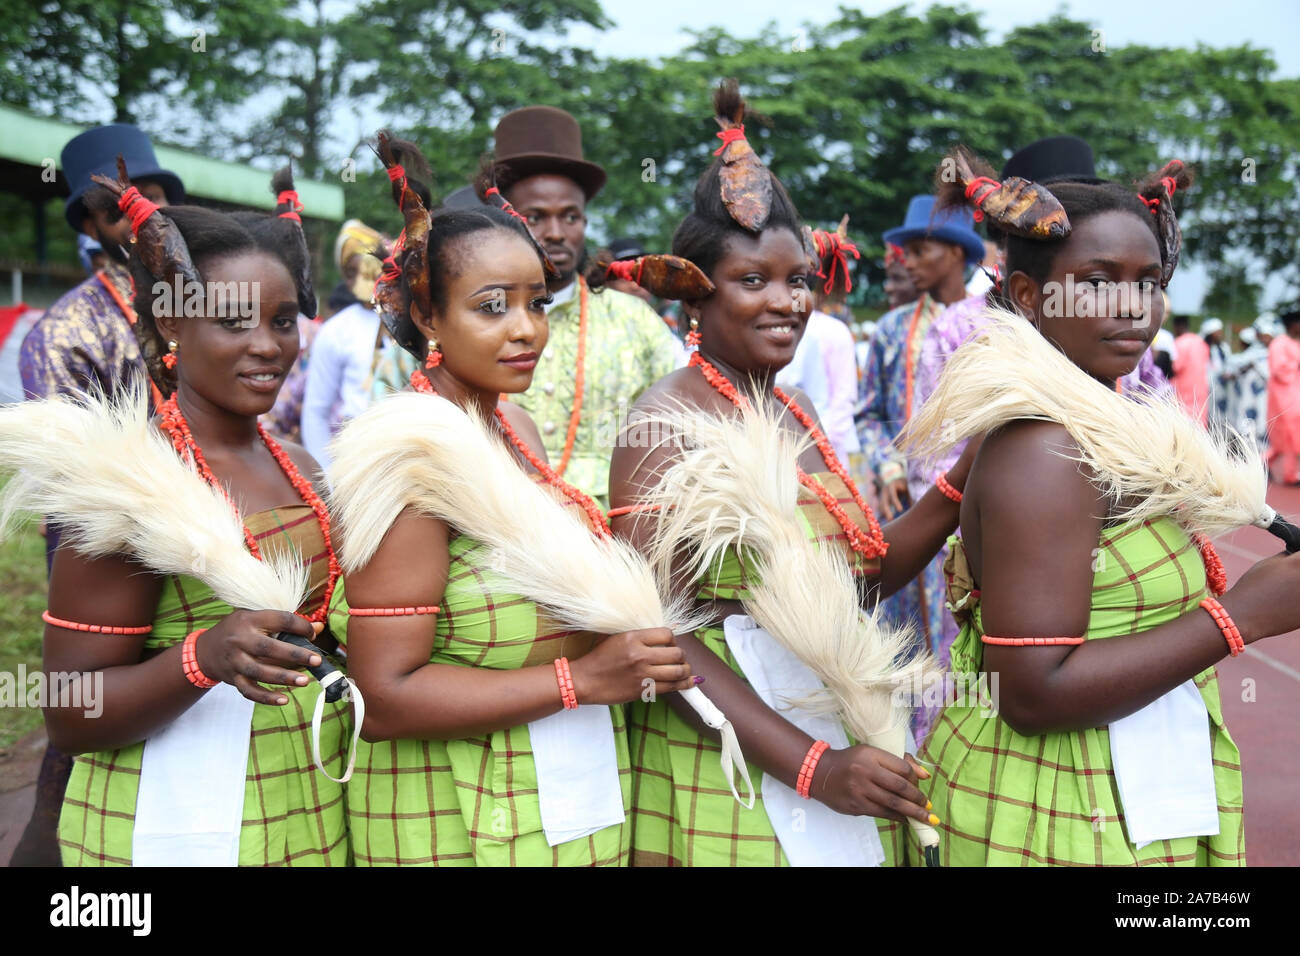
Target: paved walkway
{"type": "Point", "coordinates": [1261, 702]}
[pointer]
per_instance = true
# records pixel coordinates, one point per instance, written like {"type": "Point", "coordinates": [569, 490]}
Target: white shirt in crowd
{"type": "Point", "coordinates": [825, 368]}
{"type": "Point", "coordinates": [338, 376]}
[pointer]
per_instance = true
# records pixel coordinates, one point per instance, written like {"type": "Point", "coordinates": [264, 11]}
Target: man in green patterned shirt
{"type": "Point", "coordinates": [611, 342]}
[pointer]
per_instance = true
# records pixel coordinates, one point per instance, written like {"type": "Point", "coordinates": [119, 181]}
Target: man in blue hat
{"type": "Point", "coordinates": [84, 341]}
{"type": "Point", "coordinates": [936, 251]}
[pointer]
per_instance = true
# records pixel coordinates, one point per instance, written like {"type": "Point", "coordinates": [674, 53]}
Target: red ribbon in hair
{"type": "Point", "coordinates": [395, 172]}
{"type": "Point", "coordinates": [984, 186]}
{"type": "Point", "coordinates": [290, 198]}
{"type": "Point", "coordinates": [392, 272]}
{"type": "Point", "coordinates": [836, 247]}
{"type": "Point", "coordinates": [504, 203]}
{"type": "Point", "coordinates": [1170, 184]}
{"type": "Point", "coordinates": [136, 207]}
{"type": "Point", "coordinates": [629, 269]}
{"type": "Point", "coordinates": [729, 136]}
{"type": "Point", "coordinates": [893, 254]}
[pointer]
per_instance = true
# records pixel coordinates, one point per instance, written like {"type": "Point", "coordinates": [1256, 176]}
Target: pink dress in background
{"type": "Point", "coordinates": [1192, 375]}
{"type": "Point", "coordinates": [1284, 404]}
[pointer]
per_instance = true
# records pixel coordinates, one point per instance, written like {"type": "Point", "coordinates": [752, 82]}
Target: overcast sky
{"type": "Point", "coordinates": [653, 28]}
{"type": "Point", "coordinates": [650, 28]}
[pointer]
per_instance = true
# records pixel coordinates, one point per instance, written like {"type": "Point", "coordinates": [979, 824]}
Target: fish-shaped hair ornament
{"type": "Point", "coordinates": [665, 276]}
{"type": "Point", "coordinates": [746, 182]}
{"type": "Point", "coordinates": [158, 242]}
{"type": "Point", "coordinates": [1018, 206]}
{"type": "Point", "coordinates": [159, 246]}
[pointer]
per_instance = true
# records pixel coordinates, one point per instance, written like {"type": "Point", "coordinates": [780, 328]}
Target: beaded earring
{"type": "Point", "coordinates": [169, 359]}
{"type": "Point", "coordinates": [434, 358]}
{"type": "Point", "coordinates": [693, 336]}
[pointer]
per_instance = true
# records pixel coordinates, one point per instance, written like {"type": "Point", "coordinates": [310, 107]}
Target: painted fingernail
{"type": "Point", "coordinates": [929, 805]}
{"type": "Point", "coordinates": [698, 678]}
{"type": "Point", "coordinates": [934, 820]}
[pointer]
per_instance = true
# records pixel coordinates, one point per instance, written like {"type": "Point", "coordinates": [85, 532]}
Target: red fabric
{"type": "Point", "coordinates": [729, 136]}
{"type": "Point", "coordinates": [289, 198]}
{"type": "Point", "coordinates": [9, 317]}
{"type": "Point", "coordinates": [833, 246]}
{"type": "Point", "coordinates": [629, 269]}
{"type": "Point", "coordinates": [136, 207]}
{"type": "Point", "coordinates": [984, 186]}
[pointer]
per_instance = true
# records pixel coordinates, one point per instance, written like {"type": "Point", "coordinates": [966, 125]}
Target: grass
{"type": "Point", "coordinates": [22, 598]}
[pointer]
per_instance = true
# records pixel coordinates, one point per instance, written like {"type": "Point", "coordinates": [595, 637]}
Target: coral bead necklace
{"type": "Point", "coordinates": [173, 423]}
{"type": "Point", "coordinates": [870, 544]}
{"type": "Point", "coordinates": [420, 382]}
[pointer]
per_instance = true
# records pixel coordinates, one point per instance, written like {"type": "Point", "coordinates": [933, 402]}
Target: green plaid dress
{"type": "Point", "coordinates": [293, 815]}
{"type": "Point", "coordinates": [474, 802]}
{"type": "Point", "coordinates": [1010, 800]}
{"type": "Point", "coordinates": [682, 809]}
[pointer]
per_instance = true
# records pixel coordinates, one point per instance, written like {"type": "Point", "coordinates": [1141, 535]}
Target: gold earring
{"type": "Point", "coordinates": [169, 359]}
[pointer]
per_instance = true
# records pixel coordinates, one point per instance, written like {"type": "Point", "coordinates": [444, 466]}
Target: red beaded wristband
{"type": "Point", "coordinates": [564, 677]}
{"type": "Point", "coordinates": [1236, 644]}
{"type": "Point", "coordinates": [803, 785]}
{"type": "Point", "coordinates": [190, 661]}
{"type": "Point", "coordinates": [393, 611]}
{"type": "Point", "coordinates": [946, 486]}
{"type": "Point", "coordinates": [49, 618]}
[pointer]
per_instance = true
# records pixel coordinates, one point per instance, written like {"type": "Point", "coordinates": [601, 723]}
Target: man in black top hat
{"type": "Point", "coordinates": [85, 342]}
{"type": "Point", "coordinates": [612, 342]}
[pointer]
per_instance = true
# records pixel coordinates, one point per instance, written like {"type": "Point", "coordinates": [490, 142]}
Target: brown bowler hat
{"type": "Point", "coordinates": [543, 139]}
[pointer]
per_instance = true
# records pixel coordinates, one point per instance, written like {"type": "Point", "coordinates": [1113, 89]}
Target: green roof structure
{"type": "Point", "coordinates": [30, 145]}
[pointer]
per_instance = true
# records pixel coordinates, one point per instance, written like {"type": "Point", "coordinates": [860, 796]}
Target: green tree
{"type": "Point", "coordinates": [100, 61]}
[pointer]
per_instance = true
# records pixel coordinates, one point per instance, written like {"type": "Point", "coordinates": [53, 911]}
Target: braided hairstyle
{"type": "Point", "coordinates": [440, 248]}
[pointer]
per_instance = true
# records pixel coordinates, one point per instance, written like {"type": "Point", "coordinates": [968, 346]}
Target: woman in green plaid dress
{"type": "Point", "coordinates": [747, 329]}
{"type": "Point", "coordinates": [1082, 618]}
{"type": "Point", "coordinates": [292, 814]}
{"type": "Point", "coordinates": [459, 679]}
{"type": "Point", "coordinates": [227, 373]}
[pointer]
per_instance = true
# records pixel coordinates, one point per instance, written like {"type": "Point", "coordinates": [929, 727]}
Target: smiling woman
{"type": "Point", "coordinates": [186, 672]}
{"type": "Point", "coordinates": [746, 236]}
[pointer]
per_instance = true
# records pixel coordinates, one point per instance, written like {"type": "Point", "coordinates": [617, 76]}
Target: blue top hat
{"type": "Point", "coordinates": [96, 151]}
{"type": "Point", "coordinates": [952, 225]}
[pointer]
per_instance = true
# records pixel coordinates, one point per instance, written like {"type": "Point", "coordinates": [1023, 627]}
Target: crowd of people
{"type": "Point", "coordinates": [492, 717]}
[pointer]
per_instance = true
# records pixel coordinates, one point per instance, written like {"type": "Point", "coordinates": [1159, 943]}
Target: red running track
{"type": "Point", "coordinates": [1261, 706]}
